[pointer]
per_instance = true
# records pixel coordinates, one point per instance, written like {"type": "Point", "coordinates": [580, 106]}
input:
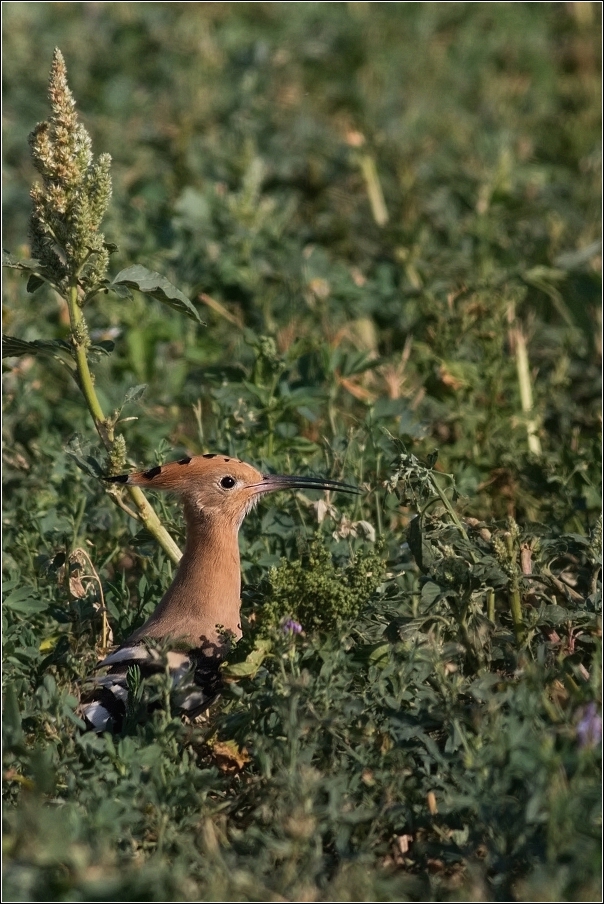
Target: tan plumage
{"type": "Point", "coordinates": [200, 611]}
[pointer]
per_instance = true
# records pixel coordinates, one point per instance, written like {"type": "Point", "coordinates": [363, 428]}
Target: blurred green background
{"type": "Point", "coordinates": [247, 140]}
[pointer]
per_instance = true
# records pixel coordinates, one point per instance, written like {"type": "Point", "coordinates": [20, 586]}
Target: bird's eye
{"type": "Point", "coordinates": [228, 482]}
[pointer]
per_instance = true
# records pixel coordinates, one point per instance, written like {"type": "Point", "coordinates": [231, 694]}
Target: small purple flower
{"type": "Point", "coordinates": [290, 626]}
{"type": "Point", "coordinates": [589, 727]}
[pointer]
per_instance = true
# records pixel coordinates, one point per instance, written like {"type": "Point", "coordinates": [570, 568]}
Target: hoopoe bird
{"type": "Point", "coordinates": [198, 618]}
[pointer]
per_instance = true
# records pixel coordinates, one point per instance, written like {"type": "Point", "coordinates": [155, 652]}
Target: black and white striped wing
{"type": "Point", "coordinates": [195, 682]}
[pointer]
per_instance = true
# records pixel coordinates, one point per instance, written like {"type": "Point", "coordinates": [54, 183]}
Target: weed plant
{"type": "Point", "coordinates": [353, 239]}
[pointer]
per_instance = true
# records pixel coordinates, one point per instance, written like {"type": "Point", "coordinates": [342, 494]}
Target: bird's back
{"type": "Point", "coordinates": [110, 697]}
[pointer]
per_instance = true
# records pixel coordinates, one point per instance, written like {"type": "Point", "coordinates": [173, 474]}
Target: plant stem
{"type": "Point", "coordinates": [451, 511]}
{"type": "Point", "coordinates": [515, 602]}
{"type": "Point", "coordinates": [149, 518]}
{"type": "Point", "coordinates": [491, 604]}
{"type": "Point", "coordinates": [516, 610]}
{"type": "Point", "coordinates": [79, 337]}
{"type": "Point", "coordinates": [519, 349]}
{"type": "Point", "coordinates": [105, 427]}
{"type": "Point", "coordinates": [526, 391]}
{"type": "Point", "coordinates": [374, 189]}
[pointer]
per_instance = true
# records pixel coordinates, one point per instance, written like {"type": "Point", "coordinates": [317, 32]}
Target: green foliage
{"type": "Point", "coordinates": [319, 595]}
{"type": "Point", "coordinates": [378, 206]}
{"type": "Point", "coordinates": [156, 286]}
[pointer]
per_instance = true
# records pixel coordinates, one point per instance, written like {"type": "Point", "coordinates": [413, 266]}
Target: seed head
{"type": "Point", "coordinates": [71, 200]}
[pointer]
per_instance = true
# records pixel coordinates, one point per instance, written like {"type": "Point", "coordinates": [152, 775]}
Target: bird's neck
{"type": "Point", "coordinates": [202, 604]}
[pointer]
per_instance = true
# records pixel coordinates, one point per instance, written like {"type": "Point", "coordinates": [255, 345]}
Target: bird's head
{"type": "Point", "coordinates": [219, 487]}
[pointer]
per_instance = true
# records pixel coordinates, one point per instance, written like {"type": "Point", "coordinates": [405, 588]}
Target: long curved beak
{"type": "Point", "coordinates": [273, 482]}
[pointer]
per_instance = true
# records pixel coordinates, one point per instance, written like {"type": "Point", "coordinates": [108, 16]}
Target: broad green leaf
{"type": "Point", "coordinates": [78, 449]}
{"type": "Point", "coordinates": [420, 548]}
{"type": "Point", "coordinates": [105, 346]}
{"type": "Point", "coordinates": [34, 282]}
{"type": "Point", "coordinates": [15, 348]}
{"type": "Point", "coordinates": [430, 593]}
{"type": "Point", "coordinates": [69, 713]}
{"type": "Point", "coordinates": [120, 291]}
{"type": "Point", "coordinates": [157, 286]}
{"type": "Point", "coordinates": [22, 600]}
{"type": "Point", "coordinates": [134, 394]}
{"type": "Point", "coordinates": [250, 664]}
{"type": "Point", "coordinates": [49, 643]}
{"type": "Point", "coordinates": [377, 653]}
{"type": "Point", "coordinates": [15, 264]}
{"type": "Point", "coordinates": [484, 686]}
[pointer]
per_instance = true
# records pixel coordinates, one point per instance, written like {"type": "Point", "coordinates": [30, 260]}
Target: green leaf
{"type": "Point", "coordinates": [11, 718]}
{"type": "Point", "coordinates": [432, 459]}
{"type": "Point", "coordinates": [419, 547]}
{"type": "Point", "coordinates": [34, 282]}
{"type": "Point", "coordinates": [77, 449]}
{"type": "Point", "coordinates": [157, 286]}
{"type": "Point", "coordinates": [430, 593]}
{"type": "Point", "coordinates": [250, 664]}
{"type": "Point", "coordinates": [15, 348]}
{"type": "Point", "coordinates": [103, 347]}
{"type": "Point", "coordinates": [144, 543]}
{"type": "Point", "coordinates": [28, 265]}
{"type": "Point", "coordinates": [134, 394]}
{"type": "Point", "coordinates": [375, 653]}
{"type": "Point", "coordinates": [483, 687]}
{"type": "Point", "coordinates": [21, 600]}
{"type": "Point", "coordinates": [120, 291]}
